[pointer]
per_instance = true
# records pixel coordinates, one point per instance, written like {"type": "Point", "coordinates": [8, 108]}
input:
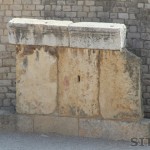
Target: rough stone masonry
{"type": "Point", "coordinates": [76, 79]}
{"type": "Point", "coordinates": [133, 13]}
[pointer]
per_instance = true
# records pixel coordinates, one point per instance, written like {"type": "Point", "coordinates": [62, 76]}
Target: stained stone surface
{"type": "Point", "coordinates": [95, 35]}
{"type": "Point", "coordinates": [36, 83]}
{"type": "Point", "coordinates": [38, 32]}
{"type": "Point", "coordinates": [78, 82]}
{"type": "Point", "coordinates": [120, 86]}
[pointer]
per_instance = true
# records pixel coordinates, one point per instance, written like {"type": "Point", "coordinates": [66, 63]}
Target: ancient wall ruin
{"type": "Point", "coordinates": [76, 79]}
{"type": "Point", "coordinates": [133, 13]}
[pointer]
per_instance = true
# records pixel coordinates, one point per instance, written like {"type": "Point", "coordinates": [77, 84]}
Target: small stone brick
{"type": "Point", "coordinates": [144, 68]}
{"type": "Point", "coordinates": [82, 14]}
{"type": "Point", "coordinates": [80, 2]}
{"type": "Point", "coordinates": [123, 15]}
{"type": "Point", "coordinates": [6, 102]}
{"type": "Point", "coordinates": [133, 29]}
{"type": "Point", "coordinates": [67, 8]}
{"type": "Point", "coordinates": [26, 2]}
{"type": "Point", "coordinates": [3, 89]}
{"type": "Point", "coordinates": [71, 2]}
{"type": "Point", "coordinates": [29, 7]}
{"type": "Point", "coordinates": [12, 89]}
{"type": "Point", "coordinates": [10, 95]}
{"type": "Point", "coordinates": [133, 35]}
{"type": "Point", "coordinates": [96, 8]}
{"type": "Point", "coordinates": [147, 44]}
{"type": "Point", "coordinates": [4, 69]}
{"type": "Point", "coordinates": [16, 7]}
{"type": "Point", "coordinates": [17, 1]}
{"type": "Point", "coordinates": [77, 8]}
{"type": "Point", "coordinates": [35, 13]}
{"type": "Point", "coordinates": [36, 2]}
{"type": "Point", "coordinates": [17, 13]}
{"type": "Point", "coordinates": [8, 2]}
{"type": "Point", "coordinates": [39, 7]}
{"type": "Point", "coordinates": [89, 2]}
{"type": "Point", "coordinates": [26, 13]}
{"type": "Point", "coordinates": [8, 13]}
{"type": "Point", "coordinates": [92, 14]}
{"type": "Point", "coordinates": [9, 62]}
{"type": "Point", "coordinates": [61, 2]}
{"type": "Point", "coordinates": [140, 5]}
{"type": "Point", "coordinates": [4, 7]}
{"type": "Point", "coordinates": [71, 14]}
{"type": "Point", "coordinates": [11, 76]}
{"type": "Point", "coordinates": [5, 82]}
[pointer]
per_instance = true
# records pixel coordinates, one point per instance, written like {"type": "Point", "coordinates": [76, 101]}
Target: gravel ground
{"type": "Point", "coordinates": [20, 141]}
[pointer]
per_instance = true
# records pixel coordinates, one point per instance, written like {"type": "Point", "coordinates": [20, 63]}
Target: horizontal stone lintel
{"type": "Point", "coordinates": [93, 35]}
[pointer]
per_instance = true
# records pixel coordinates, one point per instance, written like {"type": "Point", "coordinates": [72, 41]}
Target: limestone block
{"type": "Point", "coordinates": [60, 125]}
{"type": "Point", "coordinates": [120, 85]}
{"type": "Point", "coordinates": [78, 82]}
{"type": "Point", "coordinates": [97, 35]}
{"type": "Point", "coordinates": [65, 33]}
{"type": "Point", "coordinates": [112, 129]}
{"type": "Point", "coordinates": [36, 83]}
{"type": "Point", "coordinates": [38, 32]}
{"type": "Point", "coordinates": [24, 123]}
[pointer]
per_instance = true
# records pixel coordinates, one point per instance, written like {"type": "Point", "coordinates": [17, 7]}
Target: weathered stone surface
{"type": "Point", "coordinates": [36, 80]}
{"type": "Point", "coordinates": [120, 85]}
{"type": "Point", "coordinates": [24, 123]}
{"type": "Point", "coordinates": [97, 35]}
{"type": "Point", "coordinates": [78, 82]}
{"type": "Point", "coordinates": [112, 129]}
{"type": "Point", "coordinates": [95, 80]}
{"type": "Point", "coordinates": [61, 125]}
{"type": "Point", "coordinates": [38, 32]}
{"type": "Point", "coordinates": [65, 33]}
{"type": "Point", "coordinates": [7, 122]}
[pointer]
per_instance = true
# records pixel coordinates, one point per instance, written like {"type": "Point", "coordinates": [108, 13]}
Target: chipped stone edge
{"type": "Point", "coordinates": [66, 33]}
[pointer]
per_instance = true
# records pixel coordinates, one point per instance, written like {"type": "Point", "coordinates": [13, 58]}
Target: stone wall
{"type": "Point", "coordinates": [76, 79]}
{"type": "Point", "coordinates": [133, 13]}
{"type": "Point", "coordinates": [10, 9]}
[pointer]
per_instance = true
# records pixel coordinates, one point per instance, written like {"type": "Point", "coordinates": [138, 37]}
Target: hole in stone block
{"type": "Point", "coordinates": [78, 78]}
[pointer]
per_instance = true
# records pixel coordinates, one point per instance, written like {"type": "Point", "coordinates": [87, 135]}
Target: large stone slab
{"type": "Point", "coordinates": [120, 85]}
{"type": "Point", "coordinates": [24, 123]}
{"type": "Point", "coordinates": [36, 73]}
{"type": "Point", "coordinates": [78, 82]}
{"type": "Point", "coordinates": [60, 125]}
{"type": "Point", "coordinates": [38, 32]}
{"type": "Point", "coordinates": [91, 35]}
{"type": "Point", "coordinates": [94, 35]}
{"type": "Point", "coordinates": [114, 130]}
